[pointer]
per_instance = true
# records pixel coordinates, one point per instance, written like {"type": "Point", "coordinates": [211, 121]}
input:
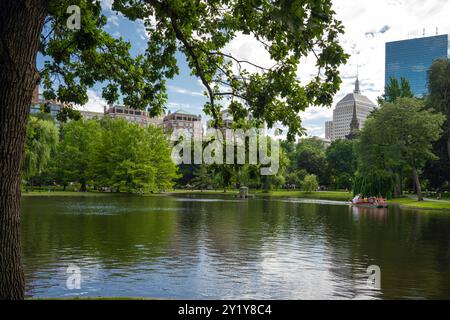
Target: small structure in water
{"type": "Point", "coordinates": [243, 193]}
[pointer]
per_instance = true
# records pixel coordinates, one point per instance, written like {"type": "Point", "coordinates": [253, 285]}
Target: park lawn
{"type": "Point", "coordinates": [66, 194]}
{"type": "Point", "coordinates": [98, 298]}
{"type": "Point", "coordinates": [412, 203]}
{"type": "Point", "coordinates": [321, 195]}
{"type": "Point", "coordinates": [207, 192]}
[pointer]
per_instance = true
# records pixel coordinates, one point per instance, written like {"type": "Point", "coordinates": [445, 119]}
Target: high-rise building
{"type": "Point", "coordinates": [183, 120]}
{"type": "Point", "coordinates": [329, 130]}
{"type": "Point", "coordinates": [354, 106]}
{"type": "Point", "coordinates": [412, 58]}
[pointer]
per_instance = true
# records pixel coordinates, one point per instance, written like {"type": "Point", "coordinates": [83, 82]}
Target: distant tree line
{"type": "Point", "coordinates": [107, 154]}
{"type": "Point", "coordinates": [405, 145]}
{"type": "Point", "coordinates": [305, 165]}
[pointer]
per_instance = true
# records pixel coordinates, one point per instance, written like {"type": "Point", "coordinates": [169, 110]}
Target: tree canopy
{"type": "Point", "coordinates": [395, 90]}
{"type": "Point", "coordinates": [439, 94]}
{"type": "Point", "coordinates": [41, 142]}
{"type": "Point", "coordinates": [286, 30]}
{"type": "Point", "coordinates": [76, 59]}
{"type": "Point", "coordinates": [398, 135]}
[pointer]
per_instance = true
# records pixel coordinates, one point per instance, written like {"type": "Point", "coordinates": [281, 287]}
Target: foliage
{"type": "Point", "coordinates": [398, 135]}
{"type": "Point", "coordinates": [41, 141]}
{"type": "Point", "coordinates": [130, 158]}
{"type": "Point", "coordinates": [202, 178]}
{"type": "Point", "coordinates": [287, 30]}
{"type": "Point", "coordinates": [111, 153]}
{"type": "Point", "coordinates": [74, 158]}
{"type": "Point", "coordinates": [341, 163]}
{"type": "Point", "coordinates": [310, 183]}
{"type": "Point", "coordinates": [394, 90]}
{"type": "Point", "coordinates": [310, 156]}
{"type": "Point", "coordinates": [439, 95]}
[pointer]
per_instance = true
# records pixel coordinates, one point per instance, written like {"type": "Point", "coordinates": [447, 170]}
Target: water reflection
{"type": "Point", "coordinates": [209, 247]}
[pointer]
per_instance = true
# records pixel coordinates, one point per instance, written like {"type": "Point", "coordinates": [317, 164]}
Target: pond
{"type": "Point", "coordinates": [211, 247]}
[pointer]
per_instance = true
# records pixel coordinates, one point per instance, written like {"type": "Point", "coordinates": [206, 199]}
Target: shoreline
{"type": "Point", "coordinates": [404, 203]}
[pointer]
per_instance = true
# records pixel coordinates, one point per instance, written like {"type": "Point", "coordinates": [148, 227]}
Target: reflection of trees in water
{"type": "Point", "coordinates": [114, 231]}
{"type": "Point", "coordinates": [405, 244]}
{"type": "Point", "coordinates": [411, 248]}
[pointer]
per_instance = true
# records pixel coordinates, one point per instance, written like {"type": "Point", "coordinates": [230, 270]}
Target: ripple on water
{"type": "Point", "coordinates": [230, 249]}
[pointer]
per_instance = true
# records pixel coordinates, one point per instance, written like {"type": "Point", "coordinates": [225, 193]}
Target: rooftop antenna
{"type": "Point", "coordinates": [357, 90]}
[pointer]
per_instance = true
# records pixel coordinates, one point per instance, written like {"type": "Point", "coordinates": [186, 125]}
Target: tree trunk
{"type": "Point", "coordinates": [397, 187]}
{"type": "Point", "coordinates": [83, 186]}
{"type": "Point", "coordinates": [448, 146]}
{"type": "Point", "coordinates": [21, 23]}
{"type": "Point", "coordinates": [417, 184]}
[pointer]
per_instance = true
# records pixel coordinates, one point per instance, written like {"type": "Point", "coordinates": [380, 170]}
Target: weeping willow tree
{"type": "Point", "coordinates": [376, 183]}
{"type": "Point", "coordinates": [396, 139]}
{"type": "Point", "coordinates": [41, 140]}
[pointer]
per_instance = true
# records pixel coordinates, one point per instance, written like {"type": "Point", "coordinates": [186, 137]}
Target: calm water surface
{"type": "Point", "coordinates": [211, 247]}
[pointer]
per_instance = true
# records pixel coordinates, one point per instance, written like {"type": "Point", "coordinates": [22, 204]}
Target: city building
{"type": "Point", "coordinates": [227, 123]}
{"type": "Point", "coordinates": [354, 106]}
{"type": "Point", "coordinates": [129, 114]}
{"type": "Point", "coordinates": [88, 115]}
{"type": "Point", "coordinates": [329, 130]}
{"type": "Point", "coordinates": [184, 120]}
{"type": "Point", "coordinates": [38, 103]}
{"type": "Point", "coordinates": [412, 58]}
{"type": "Point", "coordinates": [132, 115]}
{"type": "Point", "coordinates": [354, 125]}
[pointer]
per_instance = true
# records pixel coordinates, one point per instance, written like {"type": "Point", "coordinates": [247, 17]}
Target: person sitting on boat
{"type": "Point", "coordinates": [356, 199]}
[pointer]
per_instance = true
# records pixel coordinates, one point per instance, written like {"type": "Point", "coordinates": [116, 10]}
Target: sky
{"type": "Point", "coordinates": [368, 26]}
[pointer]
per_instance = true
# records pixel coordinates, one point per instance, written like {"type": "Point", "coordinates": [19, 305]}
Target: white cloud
{"type": "Point", "coordinates": [113, 20]}
{"type": "Point", "coordinates": [246, 47]}
{"type": "Point", "coordinates": [314, 113]}
{"type": "Point", "coordinates": [107, 4]}
{"type": "Point", "coordinates": [368, 26]}
{"type": "Point", "coordinates": [184, 91]}
{"type": "Point", "coordinates": [314, 131]}
{"type": "Point", "coordinates": [96, 103]}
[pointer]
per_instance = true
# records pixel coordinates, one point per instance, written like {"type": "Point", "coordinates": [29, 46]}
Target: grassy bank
{"type": "Point", "coordinates": [320, 195]}
{"type": "Point", "coordinates": [66, 194]}
{"type": "Point", "coordinates": [95, 298]}
{"type": "Point", "coordinates": [414, 204]}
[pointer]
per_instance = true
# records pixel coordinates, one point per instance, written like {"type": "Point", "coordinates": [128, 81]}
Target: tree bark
{"type": "Point", "coordinates": [417, 183]}
{"type": "Point", "coordinates": [448, 146]}
{"type": "Point", "coordinates": [83, 187]}
{"type": "Point", "coordinates": [397, 187]}
{"type": "Point", "coordinates": [21, 23]}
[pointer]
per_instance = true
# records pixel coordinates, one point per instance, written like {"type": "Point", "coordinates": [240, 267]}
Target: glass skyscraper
{"type": "Point", "coordinates": [412, 58]}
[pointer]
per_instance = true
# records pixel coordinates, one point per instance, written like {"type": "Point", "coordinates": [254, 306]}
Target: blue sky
{"type": "Point", "coordinates": [369, 25]}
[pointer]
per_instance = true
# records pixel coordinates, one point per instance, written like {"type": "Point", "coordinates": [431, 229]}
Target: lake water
{"type": "Point", "coordinates": [211, 247]}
